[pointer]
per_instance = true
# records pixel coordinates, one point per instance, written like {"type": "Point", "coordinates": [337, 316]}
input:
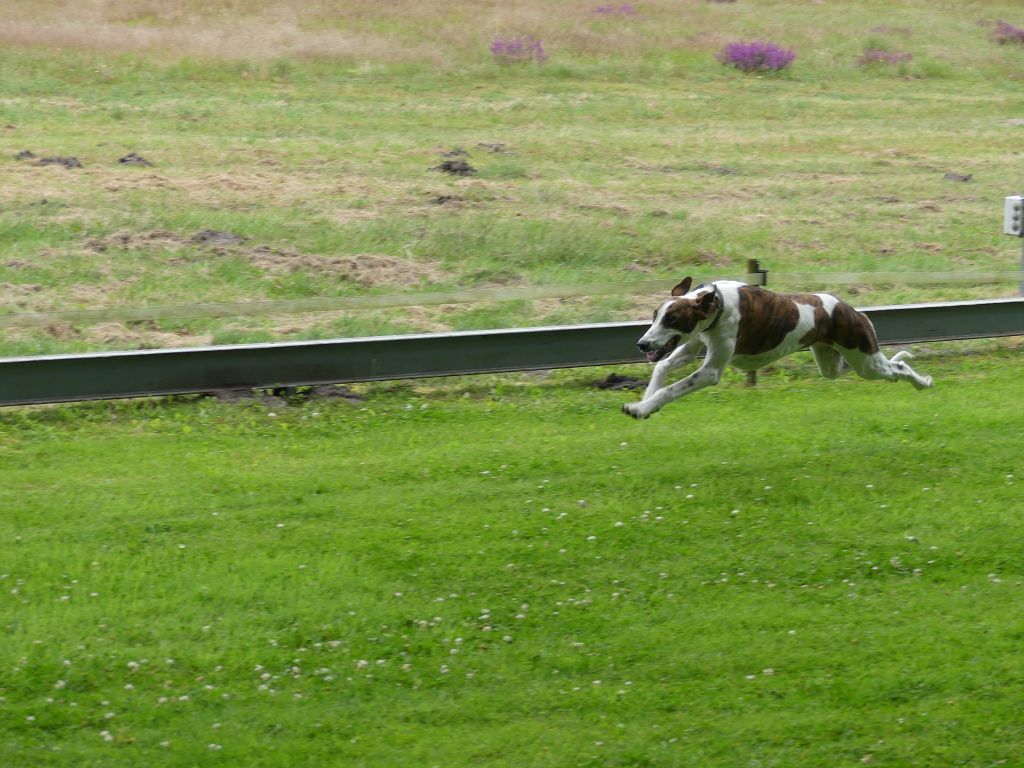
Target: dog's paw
{"type": "Point", "coordinates": [634, 410]}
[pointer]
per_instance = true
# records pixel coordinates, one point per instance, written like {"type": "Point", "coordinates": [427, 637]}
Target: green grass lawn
{"type": "Point", "coordinates": [506, 571]}
{"type": "Point", "coordinates": [631, 153]}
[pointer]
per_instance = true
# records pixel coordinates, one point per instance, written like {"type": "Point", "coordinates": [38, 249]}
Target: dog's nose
{"type": "Point", "coordinates": [643, 346]}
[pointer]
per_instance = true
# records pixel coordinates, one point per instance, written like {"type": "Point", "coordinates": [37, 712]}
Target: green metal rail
{"type": "Point", "coordinates": [95, 376]}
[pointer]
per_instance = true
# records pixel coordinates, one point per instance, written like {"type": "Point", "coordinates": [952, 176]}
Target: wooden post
{"type": "Point", "coordinates": [753, 268]}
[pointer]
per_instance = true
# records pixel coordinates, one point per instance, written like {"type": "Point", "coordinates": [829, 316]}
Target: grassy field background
{"type": "Point", "coordinates": [311, 131]}
{"type": "Point", "coordinates": [506, 571]}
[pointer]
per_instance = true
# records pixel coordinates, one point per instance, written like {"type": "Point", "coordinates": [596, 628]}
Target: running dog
{"type": "Point", "coordinates": [750, 327]}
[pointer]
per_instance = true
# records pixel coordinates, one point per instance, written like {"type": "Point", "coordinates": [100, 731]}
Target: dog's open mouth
{"type": "Point", "coordinates": [657, 354]}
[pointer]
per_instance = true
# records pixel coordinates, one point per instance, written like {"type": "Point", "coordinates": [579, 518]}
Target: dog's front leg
{"type": "Point", "coordinates": [679, 357]}
{"type": "Point", "coordinates": [705, 376]}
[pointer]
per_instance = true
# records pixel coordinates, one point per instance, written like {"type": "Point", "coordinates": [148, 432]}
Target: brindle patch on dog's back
{"type": "Point", "coordinates": [765, 319]}
{"type": "Point", "coordinates": [845, 326]}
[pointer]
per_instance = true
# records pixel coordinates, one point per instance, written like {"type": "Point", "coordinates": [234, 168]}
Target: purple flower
{"type": "Point", "coordinates": [1007, 33]}
{"type": "Point", "coordinates": [876, 56]}
{"type": "Point", "coordinates": [513, 50]}
{"type": "Point", "coordinates": [756, 56]}
{"type": "Point", "coordinates": [626, 9]}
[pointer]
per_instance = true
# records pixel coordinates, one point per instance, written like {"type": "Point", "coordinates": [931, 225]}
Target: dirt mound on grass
{"type": "Point", "coordinates": [67, 162]}
{"type": "Point", "coordinates": [134, 158]}
{"type": "Point", "coordinates": [618, 381]}
{"type": "Point", "coordinates": [217, 237]}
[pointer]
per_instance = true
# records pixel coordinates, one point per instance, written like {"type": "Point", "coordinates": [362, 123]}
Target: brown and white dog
{"type": "Point", "coordinates": [749, 328]}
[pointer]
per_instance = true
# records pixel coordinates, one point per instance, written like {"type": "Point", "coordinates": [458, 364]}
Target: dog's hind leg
{"type": "Point", "coordinates": [878, 366]}
{"type": "Point", "coordinates": [830, 362]}
{"type": "Point", "coordinates": [679, 357]}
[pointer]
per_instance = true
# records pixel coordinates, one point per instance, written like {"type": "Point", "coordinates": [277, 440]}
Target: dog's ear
{"type": "Point", "coordinates": [683, 287]}
{"type": "Point", "coordinates": [707, 302]}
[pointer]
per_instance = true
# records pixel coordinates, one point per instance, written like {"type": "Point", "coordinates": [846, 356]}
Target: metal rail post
{"type": "Point", "coordinates": [754, 268]}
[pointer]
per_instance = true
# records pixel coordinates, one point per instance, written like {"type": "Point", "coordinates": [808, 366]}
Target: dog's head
{"type": "Point", "coordinates": [676, 320]}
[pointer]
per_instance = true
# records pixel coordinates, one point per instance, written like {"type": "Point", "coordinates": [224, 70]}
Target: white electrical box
{"type": "Point", "coordinates": [1013, 216]}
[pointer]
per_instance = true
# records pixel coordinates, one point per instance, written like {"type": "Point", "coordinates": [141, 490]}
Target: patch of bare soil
{"type": "Point", "coordinates": [456, 168]}
{"type": "Point", "coordinates": [260, 396]}
{"type": "Point", "coordinates": [617, 381]}
{"type": "Point", "coordinates": [217, 237]}
{"type": "Point", "coordinates": [451, 200]}
{"type": "Point", "coordinates": [134, 158]}
{"type": "Point", "coordinates": [67, 162]}
{"type": "Point", "coordinates": [279, 397]}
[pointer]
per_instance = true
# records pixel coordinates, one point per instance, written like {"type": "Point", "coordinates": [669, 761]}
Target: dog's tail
{"type": "Point", "coordinates": [901, 355]}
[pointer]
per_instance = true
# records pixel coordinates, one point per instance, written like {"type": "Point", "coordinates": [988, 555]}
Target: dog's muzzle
{"type": "Point", "coordinates": [654, 355]}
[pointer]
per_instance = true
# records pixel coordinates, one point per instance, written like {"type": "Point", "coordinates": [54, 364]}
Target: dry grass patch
{"type": "Point", "coordinates": [255, 39]}
{"type": "Point", "coordinates": [128, 240]}
{"type": "Point", "coordinates": [121, 336]}
{"type": "Point", "coordinates": [367, 269]}
{"type": "Point", "coordinates": [436, 31]}
{"type": "Point", "coordinates": [24, 297]}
